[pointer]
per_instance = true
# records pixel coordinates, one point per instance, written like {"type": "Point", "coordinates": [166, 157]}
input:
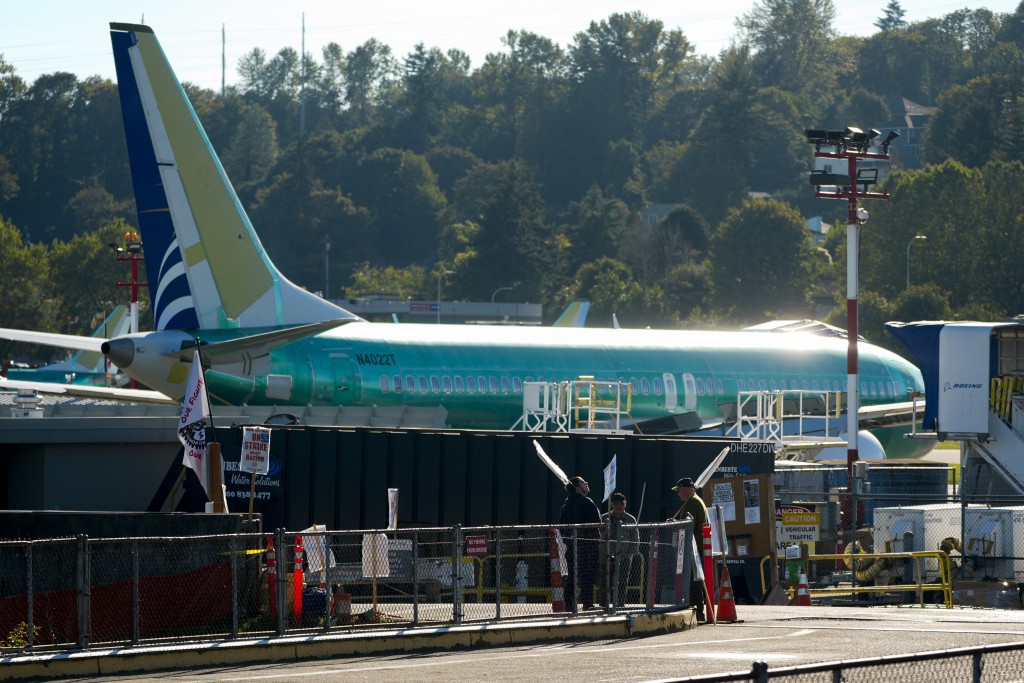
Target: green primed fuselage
{"type": "Point", "coordinates": [477, 372]}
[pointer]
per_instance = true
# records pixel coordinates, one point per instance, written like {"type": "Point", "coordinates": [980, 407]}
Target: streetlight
{"type": "Point", "coordinates": [503, 289]}
{"type": "Point", "coordinates": [439, 278]}
{"type": "Point", "coordinates": [909, 245]}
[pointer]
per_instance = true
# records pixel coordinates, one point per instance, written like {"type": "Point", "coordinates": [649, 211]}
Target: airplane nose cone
{"type": "Point", "coordinates": [120, 352]}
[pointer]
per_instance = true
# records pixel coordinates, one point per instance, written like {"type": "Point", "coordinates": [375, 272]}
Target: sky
{"type": "Point", "coordinates": [44, 36]}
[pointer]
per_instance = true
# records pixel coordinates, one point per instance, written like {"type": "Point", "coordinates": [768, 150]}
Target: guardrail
{"type": "Point", "coordinates": [917, 585]}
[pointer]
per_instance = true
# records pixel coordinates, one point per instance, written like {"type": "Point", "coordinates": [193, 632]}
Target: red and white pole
{"type": "Point", "coordinates": [852, 265]}
{"type": "Point", "coordinates": [557, 590]}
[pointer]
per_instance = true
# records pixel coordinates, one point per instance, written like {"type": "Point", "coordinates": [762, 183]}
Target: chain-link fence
{"type": "Point", "coordinates": [995, 663]}
{"type": "Point", "coordinates": [901, 509]}
{"type": "Point", "coordinates": [76, 592]}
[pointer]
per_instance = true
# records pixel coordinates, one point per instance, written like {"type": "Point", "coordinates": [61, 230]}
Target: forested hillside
{"type": "Point", "coordinates": [534, 168]}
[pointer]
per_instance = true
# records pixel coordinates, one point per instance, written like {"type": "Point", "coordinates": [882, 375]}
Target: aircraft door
{"type": "Point", "coordinates": [348, 381]}
{"type": "Point", "coordinates": [670, 390]}
{"type": "Point", "coordinates": [689, 392]}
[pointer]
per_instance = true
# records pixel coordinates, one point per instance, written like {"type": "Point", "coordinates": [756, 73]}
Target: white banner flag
{"type": "Point", "coordinates": [195, 417]}
{"type": "Point", "coordinates": [609, 479]}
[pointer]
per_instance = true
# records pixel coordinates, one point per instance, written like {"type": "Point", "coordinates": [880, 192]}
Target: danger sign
{"type": "Point", "coordinates": [255, 450]}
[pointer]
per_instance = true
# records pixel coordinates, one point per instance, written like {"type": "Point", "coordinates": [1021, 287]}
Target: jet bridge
{"type": "Point", "coordinates": [974, 379]}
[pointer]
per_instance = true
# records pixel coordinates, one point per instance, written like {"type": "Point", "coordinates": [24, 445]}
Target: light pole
{"type": "Point", "coordinates": [503, 289]}
{"type": "Point", "coordinates": [909, 245]}
{"type": "Point", "coordinates": [439, 278]}
{"type": "Point", "coordinates": [850, 145]}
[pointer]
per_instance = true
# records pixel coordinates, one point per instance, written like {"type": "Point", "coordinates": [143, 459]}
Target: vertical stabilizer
{"type": "Point", "coordinates": [205, 265]}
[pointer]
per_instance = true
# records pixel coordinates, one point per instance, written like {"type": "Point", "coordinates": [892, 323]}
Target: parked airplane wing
{"type": "Point", "coordinates": [87, 391]}
{"type": "Point", "coordinates": [890, 414]}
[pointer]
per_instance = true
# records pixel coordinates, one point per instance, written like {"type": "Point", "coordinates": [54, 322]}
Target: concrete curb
{"type": "Point", "coordinates": [124, 660]}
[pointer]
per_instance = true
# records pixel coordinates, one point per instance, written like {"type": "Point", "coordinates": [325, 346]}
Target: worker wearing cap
{"type": "Point", "coordinates": [693, 506]}
{"type": "Point", "coordinates": [579, 509]}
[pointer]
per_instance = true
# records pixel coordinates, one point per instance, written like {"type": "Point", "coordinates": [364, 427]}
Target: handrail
{"type": "Point", "coordinates": [944, 585]}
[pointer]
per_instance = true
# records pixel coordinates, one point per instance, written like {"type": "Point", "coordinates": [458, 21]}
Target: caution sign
{"type": "Point", "coordinates": [795, 524]}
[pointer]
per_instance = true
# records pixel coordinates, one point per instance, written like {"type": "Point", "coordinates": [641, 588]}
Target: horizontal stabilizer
{"type": "Point", "coordinates": [256, 345]}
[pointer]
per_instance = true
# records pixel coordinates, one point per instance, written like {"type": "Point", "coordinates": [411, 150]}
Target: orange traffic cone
{"type": "Point", "coordinates": [803, 592]}
{"type": "Point", "coordinates": [726, 602]}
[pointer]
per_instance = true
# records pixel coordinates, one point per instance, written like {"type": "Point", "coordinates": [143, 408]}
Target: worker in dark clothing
{"type": "Point", "coordinates": [581, 556]}
{"type": "Point", "coordinates": [693, 506]}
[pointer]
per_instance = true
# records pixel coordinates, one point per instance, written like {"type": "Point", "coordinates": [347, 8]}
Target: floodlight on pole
{"type": "Point", "coordinates": [852, 144]}
{"type": "Point", "coordinates": [909, 245]}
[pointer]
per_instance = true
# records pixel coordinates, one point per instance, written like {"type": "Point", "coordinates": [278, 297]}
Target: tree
{"type": "Point", "coordinates": [24, 270]}
{"type": "Point", "coordinates": [253, 148]}
{"type": "Point", "coordinates": [369, 72]}
{"type": "Point", "coordinates": [331, 83]}
{"type": "Point", "coordinates": [601, 222]}
{"type": "Point", "coordinates": [791, 44]}
{"type": "Point", "coordinates": [760, 262]}
{"type": "Point", "coordinates": [404, 283]}
{"type": "Point", "coordinates": [514, 242]}
{"type": "Point", "coordinates": [74, 289]}
{"type": "Point", "coordinates": [682, 237]}
{"type": "Point", "coordinates": [611, 289]}
{"type": "Point", "coordinates": [254, 74]}
{"type": "Point", "coordinates": [892, 17]}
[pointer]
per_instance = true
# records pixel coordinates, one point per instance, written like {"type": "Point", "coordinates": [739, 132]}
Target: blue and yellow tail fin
{"type": "Point", "coordinates": [205, 265]}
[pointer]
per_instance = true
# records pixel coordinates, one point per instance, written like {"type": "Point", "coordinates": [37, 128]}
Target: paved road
{"type": "Point", "coordinates": [780, 636]}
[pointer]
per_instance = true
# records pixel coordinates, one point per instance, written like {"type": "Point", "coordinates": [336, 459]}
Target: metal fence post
{"type": "Point", "coordinates": [577, 594]}
{"type": "Point", "coordinates": [457, 606]}
{"type": "Point", "coordinates": [497, 573]}
{"type": "Point", "coordinates": [84, 575]}
{"type": "Point", "coordinates": [30, 617]}
{"type": "Point", "coordinates": [282, 579]}
{"type": "Point", "coordinates": [652, 568]}
{"type": "Point", "coordinates": [415, 578]}
{"type": "Point", "coordinates": [606, 567]}
{"type": "Point", "coordinates": [136, 607]}
{"type": "Point", "coordinates": [689, 559]}
{"type": "Point", "coordinates": [233, 545]}
{"type": "Point", "coordinates": [328, 578]}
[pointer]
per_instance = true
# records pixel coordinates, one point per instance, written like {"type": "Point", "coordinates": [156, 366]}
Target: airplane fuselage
{"type": "Point", "coordinates": [477, 373]}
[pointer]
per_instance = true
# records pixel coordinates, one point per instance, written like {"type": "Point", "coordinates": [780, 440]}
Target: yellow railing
{"type": "Point", "coordinates": [918, 586]}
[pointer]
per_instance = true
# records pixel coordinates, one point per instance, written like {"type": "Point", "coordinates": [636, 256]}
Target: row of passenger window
{"type": "Point", "coordinates": [481, 384]}
{"type": "Point", "coordinates": [867, 388]}
{"type": "Point", "coordinates": [641, 387]}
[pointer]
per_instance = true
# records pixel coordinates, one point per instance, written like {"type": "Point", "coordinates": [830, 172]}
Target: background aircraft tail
{"type": "Point", "coordinates": [574, 315]}
{"type": "Point", "coordinates": [205, 265]}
